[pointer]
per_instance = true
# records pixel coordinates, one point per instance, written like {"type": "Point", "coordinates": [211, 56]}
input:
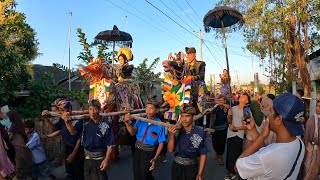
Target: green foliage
{"type": "Point", "coordinates": [256, 112]}
{"type": "Point", "coordinates": [144, 75]}
{"type": "Point", "coordinates": [261, 89]}
{"type": "Point", "coordinates": [63, 68]}
{"type": "Point", "coordinates": [86, 55]}
{"type": "Point", "coordinates": [18, 47]}
{"type": "Point", "coordinates": [280, 30]}
{"type": "Point", "coordinates": [43, 92]}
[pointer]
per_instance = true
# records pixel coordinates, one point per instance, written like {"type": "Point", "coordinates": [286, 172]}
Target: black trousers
{"type": "Point", "coordinates": [141, 164]}
{"type": "Point", "coordinates": [234, 150]}
{"type": "Point", "coordinates": [180, 172]}
{"type": "Point", "coordinates": [74, 169]}
{"type": "Point", "coordinates": [219, 139]}
{"type": "Point", "coordinates": [92, 170]}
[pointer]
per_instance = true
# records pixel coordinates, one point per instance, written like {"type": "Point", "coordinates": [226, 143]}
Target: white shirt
{"type": "Point", "coordinates": [272, 162]}
{"type": "Point", "coordinates": [237, 116]}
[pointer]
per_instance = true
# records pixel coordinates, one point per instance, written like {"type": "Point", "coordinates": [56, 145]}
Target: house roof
{"type": "Point", "coordinates": [61, 77]}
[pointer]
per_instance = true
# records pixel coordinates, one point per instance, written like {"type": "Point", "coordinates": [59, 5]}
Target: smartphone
{"type": "Point", "coordinates": [246, 114]}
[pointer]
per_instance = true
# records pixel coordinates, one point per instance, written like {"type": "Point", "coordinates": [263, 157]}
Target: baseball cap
{"type": "Point", "coordinates": [291, 108]}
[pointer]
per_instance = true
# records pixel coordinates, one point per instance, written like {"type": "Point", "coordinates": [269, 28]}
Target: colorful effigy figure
{"type": "Point", "coordinates": [224, 89]}
{"type": "Point", "coordinates": [176, 86]}
{"type": "Point", "coordinates": [197, 71]}
{"type": "Point", "coordinates": [99, 80]}
{"type": "Point", "coordinates": [124, 71]}
{"type": "Point", "coordinates": [127, 92]}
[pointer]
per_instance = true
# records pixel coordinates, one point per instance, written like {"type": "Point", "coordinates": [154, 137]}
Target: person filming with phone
{"type": "Point", "coordinates": [280, 160]}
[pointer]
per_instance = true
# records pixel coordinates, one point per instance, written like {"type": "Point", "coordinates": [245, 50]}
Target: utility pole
{"type": "Point", "coordinates": [201, 41]}
{"type": "Point", "coordinates": [211, 85]}
{"type": "Point", "coordinates": [70, 13]}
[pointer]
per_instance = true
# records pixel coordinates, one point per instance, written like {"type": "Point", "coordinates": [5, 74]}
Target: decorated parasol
{"type": "Point", "coordinates": [221, 17]}
{"type": "Point", "coordinates": [114, 37]}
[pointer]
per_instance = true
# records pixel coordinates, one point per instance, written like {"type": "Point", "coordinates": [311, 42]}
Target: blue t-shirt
{"type": "Point", "coordinates": [34, 144]}
{"type": "Point", "coordinates": [97, 137]}
{"type": "Point", "coordinates": [66, 136]}
{"type": "Point", "coordinates": [154, 135]}
{"type": "Point", "coordinates": [191, 145]}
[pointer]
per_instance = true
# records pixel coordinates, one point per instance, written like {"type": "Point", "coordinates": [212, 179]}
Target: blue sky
{"type": "Point", "coordinates": [154, 34]}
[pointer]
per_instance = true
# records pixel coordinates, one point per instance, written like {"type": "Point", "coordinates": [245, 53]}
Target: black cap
{"type": "Point", "coordinates": [187, 108]}
{"type": "Point", "coordinates": [190, 50]}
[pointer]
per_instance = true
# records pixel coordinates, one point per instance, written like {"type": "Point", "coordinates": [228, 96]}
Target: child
{"type": "Point", "coordinates": [40, 166]}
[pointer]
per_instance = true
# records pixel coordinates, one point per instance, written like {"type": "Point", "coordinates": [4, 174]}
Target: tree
{"type": "Point", "coordinates": [18, 47]}
{"type": "Point", "coordinates": [86, 55]}
{"type": "Point", "coordinates": [281, 29]}
{"type": "Point", "coordinates": [144, 75]}
{"type": "Point", "coordinates": [43, 92]}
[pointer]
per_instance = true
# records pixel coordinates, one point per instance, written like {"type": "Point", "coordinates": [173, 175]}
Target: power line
{"type": "Point", "coordinates": [192, 9]}
{"type": "Point", "coordinates": [184, 29]}
{"type": "Point", "coordinates": [152, 20]}
{"type": "Point", "coordinates": [186, 14]}
{"type": "Point", "coordinates": [144, 20]}
{"type": "Point", "coordinates": [212, 54]}
{"type": "Point", "coordinates": [171, 18]}
{"type": "Point", "coordinates": [230, 51]}
{"type": "Point", "coordinates": [175, 14]}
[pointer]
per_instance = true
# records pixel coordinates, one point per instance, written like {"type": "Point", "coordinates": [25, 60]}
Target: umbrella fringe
{"type": "Point", "coordinates": [110, 43]}
{"type": "Point", "coordinates": [220, 13]}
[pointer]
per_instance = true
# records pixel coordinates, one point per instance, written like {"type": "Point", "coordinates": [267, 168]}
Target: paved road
{"type": "Point", "coordinates": [122, 169]}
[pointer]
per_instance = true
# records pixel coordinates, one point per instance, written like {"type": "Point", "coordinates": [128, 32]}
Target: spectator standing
{"type": "Point", "coordinates": [235, 135]}
{"type": "Point", "coordinates": [19, 139]}
{"type": "Point", "coordinates": [219, 121]}
{"type": "Point", "coordinates": [280, 160]}
{"type": "Point", "coordinates": [312, 142]}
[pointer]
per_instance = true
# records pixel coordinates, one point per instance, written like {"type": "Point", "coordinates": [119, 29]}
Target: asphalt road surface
{"type": "Point", "coordinates": [123, 170]}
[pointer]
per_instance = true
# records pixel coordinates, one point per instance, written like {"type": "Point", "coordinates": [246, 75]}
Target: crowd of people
{"type": "Point", "coordinates": [283, 146]}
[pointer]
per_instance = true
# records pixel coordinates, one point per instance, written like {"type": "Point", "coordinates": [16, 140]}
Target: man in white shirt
{"type": "Point", "coordinates": [280, 160]}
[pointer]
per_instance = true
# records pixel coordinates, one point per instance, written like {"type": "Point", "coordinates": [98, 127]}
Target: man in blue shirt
{"type": "Point", "coordinates": [188, 146]}
{"type": "Point", "coordinates": [71, 132]}
{"type": "Point", "coordinates": [98, 142]}
{"type": "Point", "coordinates": [40, 166]}
{"type": "Point", "coordinates": [149, 144]}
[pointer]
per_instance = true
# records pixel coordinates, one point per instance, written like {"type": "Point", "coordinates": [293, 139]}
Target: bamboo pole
{"type": "Point", "coordinates": [196, 117]}
{"type": "Point", "coordinates": [85, 115]}
{"type": "Point", "coordinates": [151, 121]}
{"type": "Point", "coordinates": [137, 116]}
{"type": "Point", "coordinates": [80, 112]}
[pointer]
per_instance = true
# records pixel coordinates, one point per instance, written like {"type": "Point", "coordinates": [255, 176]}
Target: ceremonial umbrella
{"type": "Point", "coordinates": [221, 17]}
{"type": "Point", "coordinates": [114, 36]}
